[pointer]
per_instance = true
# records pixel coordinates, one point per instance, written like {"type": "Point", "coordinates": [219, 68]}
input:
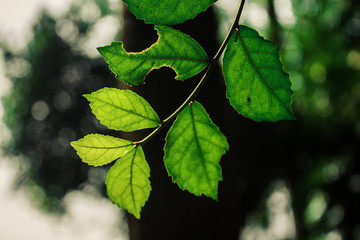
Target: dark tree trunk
{"type": "Point", "coordinates": [170, 212]}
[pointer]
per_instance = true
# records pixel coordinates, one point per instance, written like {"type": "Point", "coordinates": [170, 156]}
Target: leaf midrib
{"type": "Point", "coordinates": [137, 55]}
{"type": "Point", "coordinates": [92, 147]}
{"type": "Point", "coordinates": [131, 179]}
{"type": "Point", "coordinates": [126, 110]}
{"type": "Point", "coordinates": [198, 145]}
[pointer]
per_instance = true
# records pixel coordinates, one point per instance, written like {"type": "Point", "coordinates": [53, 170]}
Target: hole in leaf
{"type": "Point", "coordinates": [249, 100]}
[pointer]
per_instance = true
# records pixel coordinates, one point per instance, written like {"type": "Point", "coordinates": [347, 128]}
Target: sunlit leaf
{"type": "Point", "coordinates": [97, 149]}
{"type": "Point", "coordinates": [173, 49]}
{"type": "Point", "coordinates": [127, 182]}
{"type": "Point", "coordinates": [194, 146]}
{"type": "Point", "coordinates": [257, 86]}
{"type": "Point", "coordinates": [167, 12]}
{"type": "Point", "coordinates": [122, 109]}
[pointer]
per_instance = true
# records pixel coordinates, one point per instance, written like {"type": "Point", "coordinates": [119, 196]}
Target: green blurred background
{"type": "Point", "coordinates": [315, 195]}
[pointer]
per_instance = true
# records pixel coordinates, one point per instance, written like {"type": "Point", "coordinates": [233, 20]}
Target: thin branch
{"type": "Point", "coordinates": [205, 77]}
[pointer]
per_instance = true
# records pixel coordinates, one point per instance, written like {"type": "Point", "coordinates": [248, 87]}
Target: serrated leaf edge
{"type": "Point", "coordinates": [259, 74]}
{"type": "Point", "coordinates": [89, 97]}
{"type": "Point", "coordinates": [136, 55]}
{"type": "Point", "coordinates": [170, 24]}
{"type": "Point", "coordinates": [74, 143]}
{"type": "Point", "coordinates": [137, 211]}
{"type": "Point", "coordinates": [174, 178]}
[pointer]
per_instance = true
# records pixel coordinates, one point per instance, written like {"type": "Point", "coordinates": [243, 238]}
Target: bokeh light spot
{"type": "Point", "coordinates": [40, 110]}
{"type": "Point", "coordinates": [284, 12]}
{"type": "Point", "coordinates": [353, 59]}
{"type": "Point", "coordinates": [318, 73]}
{"type": "Point", "coordinates": [316, 207]}
{"type": "Point", "coordinates": [62, 101]}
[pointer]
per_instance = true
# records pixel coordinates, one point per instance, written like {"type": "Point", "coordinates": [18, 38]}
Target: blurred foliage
{"type": "Point", "coordinates": [321, 51]}
{"type": "Point", "coordinates": [319, 153]}
{"type": "Point", "coordinates": [324, 57]}
{"type": "Point", "coordinates": [45, 109]}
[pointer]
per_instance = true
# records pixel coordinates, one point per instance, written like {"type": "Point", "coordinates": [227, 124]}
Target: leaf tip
{"type": "Point", "coordinates": [87, 96]}
{"type": "Point", "coordinates": [213, 194]}
{"type": "Point", "coordinates": [102, 49]}
{"type": "Point", "coordinates": [136, 215]}
{"type": "Point", "coordinates": [99, 49]}
{"type": "Point", "coordinates": [73, 144]}
{"type": "Point", "coordinates": [215, 197]}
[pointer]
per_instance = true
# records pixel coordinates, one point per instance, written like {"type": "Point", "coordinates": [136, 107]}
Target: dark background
{"type": "Point", "coordinates": [314, 161]}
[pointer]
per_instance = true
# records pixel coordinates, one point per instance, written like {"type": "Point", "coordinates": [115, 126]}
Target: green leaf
{"type": "Point", "coordinates": [127, 182]}
{"type": "Point", "coordinates": [193, 148]}
{"type": "Point", "coordinates": [167, 12]}
{"type": "Point", "coordinates": [122, 109]}
{"type": "Point", "coordinates": [98, 150]}
{"type": "Point", "coordinates": [173, 49]}
{"type": "Point", "coordinates": [257, 86]}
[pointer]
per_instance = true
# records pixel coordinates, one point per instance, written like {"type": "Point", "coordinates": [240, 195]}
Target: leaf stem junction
{"type": "Point", "coordinates": [207, 74]}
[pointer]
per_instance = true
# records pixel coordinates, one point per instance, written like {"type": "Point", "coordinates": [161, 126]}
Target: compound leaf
{"type": "Point", "coordinates": [193, 148]}
{"type": "Point", "coordinates": [257, 86]}
{"type": "Point", "coordinates": [98, 150]}
{"type": "Point", "coordinates": [167, 12]}
{"type": "Point", "coordinates": [122, 109]}
{"type": "Point", "coordinates": [173, 49]}
{"type": "Point", "coordinates": [127, 182]}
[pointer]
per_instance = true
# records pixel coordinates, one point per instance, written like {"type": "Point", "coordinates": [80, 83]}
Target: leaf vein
{"type": "Point", "coordinates": [127, 110]}
{"type": "Point", "coordinates": [198, 146]}
{"type": "Point", "coordinates": [259, 74]}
